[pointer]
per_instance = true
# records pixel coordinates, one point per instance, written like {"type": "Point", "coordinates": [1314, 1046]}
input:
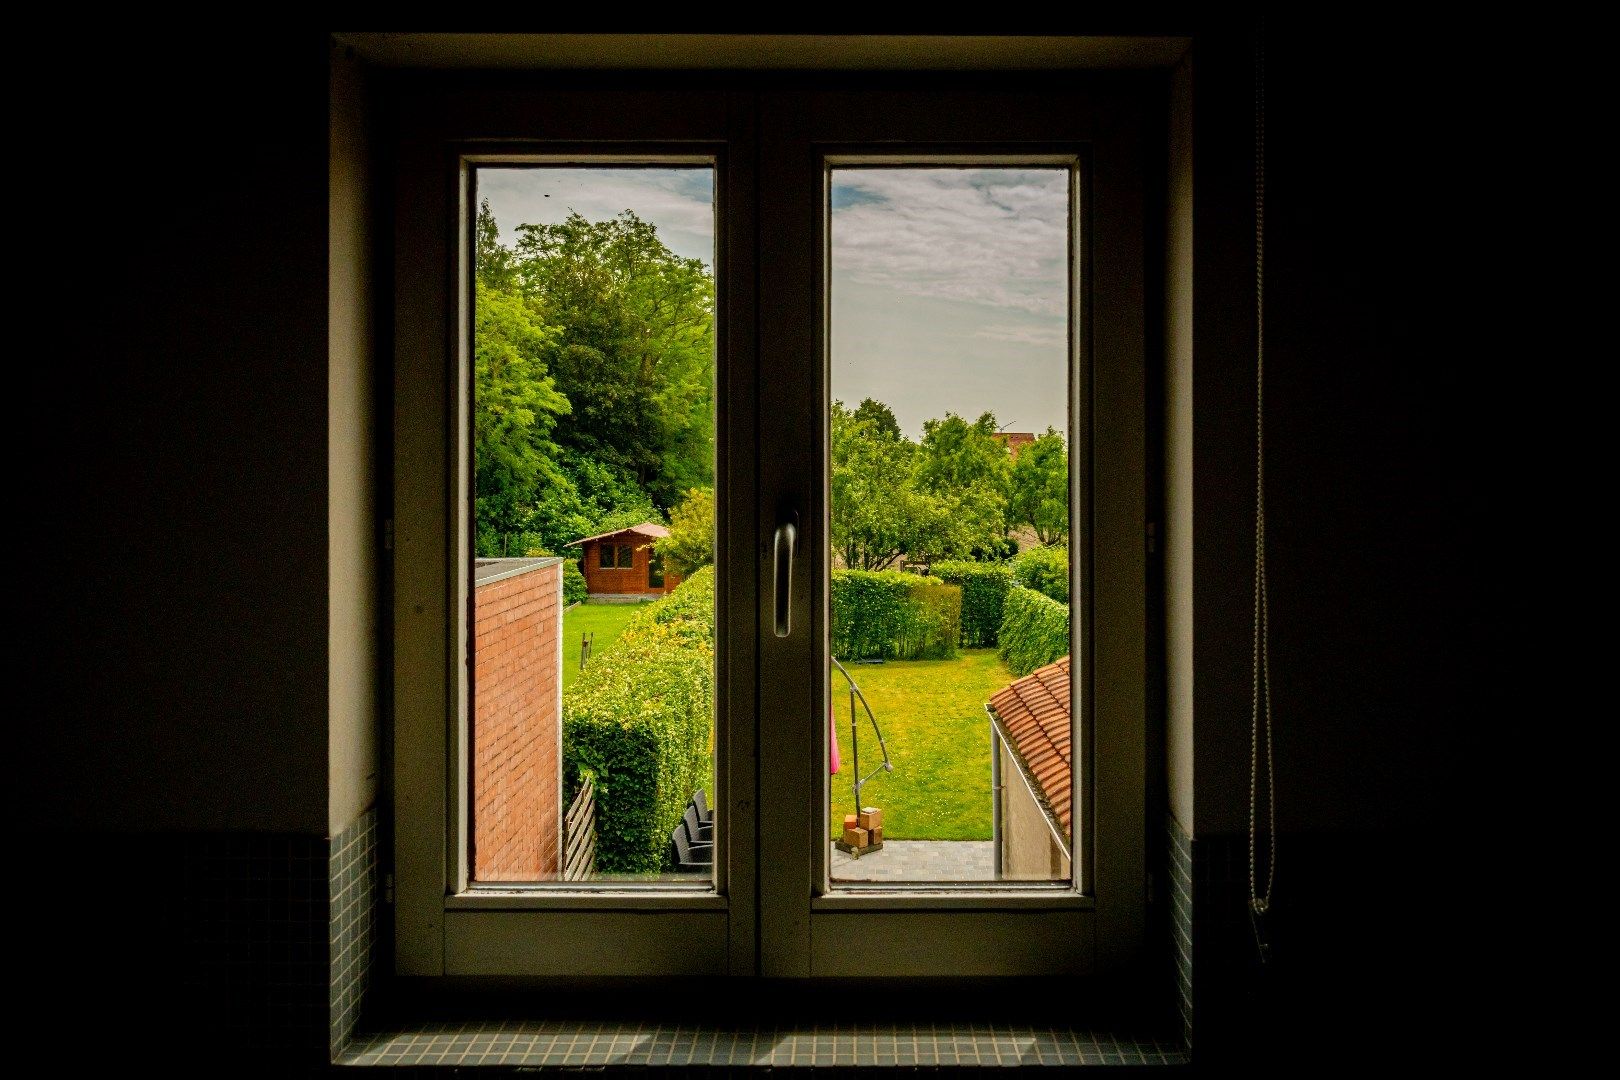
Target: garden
{"type": "Point", "coordinates": [927, 651]}
{"type": "Point", "coordinates": [594, 411]}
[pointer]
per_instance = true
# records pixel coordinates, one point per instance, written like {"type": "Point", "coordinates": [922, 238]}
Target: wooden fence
{"type": "Point", "coordinates": [579, 835]}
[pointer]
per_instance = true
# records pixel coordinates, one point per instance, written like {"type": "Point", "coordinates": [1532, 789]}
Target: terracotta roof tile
{"type": "Point", "coordinates": [1034, 714]}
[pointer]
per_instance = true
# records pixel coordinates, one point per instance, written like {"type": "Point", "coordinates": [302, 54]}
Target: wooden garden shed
{"type": "Point", "coordinates": [623, 565]}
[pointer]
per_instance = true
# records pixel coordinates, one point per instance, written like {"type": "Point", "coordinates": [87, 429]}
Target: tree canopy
{"type": "Point", "coordinates": [594, 399]}
{"type": "Point", "coordinates": [1040, 488]}
{"type": "Point", "coordinates": [594, 410]}
{"type": "Point", "coordinates": [690, 543]}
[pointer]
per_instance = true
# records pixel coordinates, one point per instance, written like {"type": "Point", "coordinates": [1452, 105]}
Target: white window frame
{"type": "Point", "coordinates": [769, 911]}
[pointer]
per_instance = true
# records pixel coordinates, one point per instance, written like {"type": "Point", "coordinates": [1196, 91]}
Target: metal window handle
{"type": "Point", "coordinates": [787, 537]}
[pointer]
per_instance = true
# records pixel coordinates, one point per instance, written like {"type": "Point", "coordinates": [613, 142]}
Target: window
{"type": "Point", "coordinates": [627, 556]}
{"type": "Point", "coordinates": [773, 906]}
{"type": "Point", "coordinates": [605, 556]}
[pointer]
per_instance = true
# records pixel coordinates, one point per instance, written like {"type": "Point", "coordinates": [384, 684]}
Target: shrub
{"type": "Point", "coordinates": [1046, 570]}
{"type": "Point", "coordinates": [1034, 631]}
{"type": "Point", "coordinates": [886, 614]}
{"type": "Point", "coordinates": [574, 589]}
{"type": "Point", "coordinates": [690, 543]}
{"type": "Point", "coordinates": [640, 720]}
{"type": "Point", "coordinates": [984, 590]}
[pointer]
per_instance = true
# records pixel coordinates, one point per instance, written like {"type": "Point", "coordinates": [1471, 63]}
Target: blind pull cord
{"type": "Point", "coordinates": [1260, 698]}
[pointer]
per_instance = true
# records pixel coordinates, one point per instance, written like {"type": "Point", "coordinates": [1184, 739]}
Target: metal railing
{"type": "Point", "coordinates": [855, 735]}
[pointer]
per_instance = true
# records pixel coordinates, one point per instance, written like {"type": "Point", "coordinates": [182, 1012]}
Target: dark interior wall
{"type": "Point", "coordinates": [1374, 377]}
{"type": "Point", "coordinates": [178, 633]}
{"type": "Point", "coordinates": [353, 482]}
{"type": "Point", "coordinates": [1366, 399]}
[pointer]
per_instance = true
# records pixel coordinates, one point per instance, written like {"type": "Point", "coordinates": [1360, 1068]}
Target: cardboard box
{"type": "Point", "coordinates": [877, 835]}
{"type": "Point", "coordinates": [850, 821]}
{"type": "Point", "coordinates": [857, 837]}
{"type": "Point", "coordinates": [870, 818]}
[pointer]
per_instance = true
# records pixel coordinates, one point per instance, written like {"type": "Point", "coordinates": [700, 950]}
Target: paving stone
{"type": "Point", "coordinates": [919, 860]}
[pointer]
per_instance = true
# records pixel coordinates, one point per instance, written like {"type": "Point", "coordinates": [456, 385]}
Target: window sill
{"type": "Point", "coordinates": [576, 1044]}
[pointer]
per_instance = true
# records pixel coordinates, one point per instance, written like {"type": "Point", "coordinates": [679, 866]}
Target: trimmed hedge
{"type": "Point", "coordinates": [640, 720]}
{"type": "Point", "coordinates": [1046, 570]}
{"type": "Point", "coordinates": [984, 590]}
{"type": "Point", "coordinates": [890, 615]}
{"type": "Point", "coordinates": [1034, 631]}
{"type": "Point", "coordinates": [574, 588]}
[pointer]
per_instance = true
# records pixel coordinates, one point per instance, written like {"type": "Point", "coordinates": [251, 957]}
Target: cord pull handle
{"type": "Point", "coordinates": [1257, 920]}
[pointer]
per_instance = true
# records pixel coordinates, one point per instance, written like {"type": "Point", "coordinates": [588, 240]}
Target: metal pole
{"type": "Point", "coordinates": [995, 795]}
{"type": "Point", "coordinates": [855, 749]}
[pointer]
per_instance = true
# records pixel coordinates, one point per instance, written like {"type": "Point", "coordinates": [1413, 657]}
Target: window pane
{"type": "Point", "coordinates": [592, 716]}
{"type": "Point", "coordinates": [949, 519]}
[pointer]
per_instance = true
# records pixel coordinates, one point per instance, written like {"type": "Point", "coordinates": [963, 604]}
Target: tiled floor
{"type": "Point", "coordinates": [919, 860]}
{"type": "Point", "coordinates": [596, 1045]}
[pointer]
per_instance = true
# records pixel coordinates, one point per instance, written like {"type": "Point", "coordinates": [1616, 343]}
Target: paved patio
{"type": "Point", "coordinates": [920, 860]}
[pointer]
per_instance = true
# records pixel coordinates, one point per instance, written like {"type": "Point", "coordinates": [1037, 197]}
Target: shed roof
{"type": "Point", "coordinates": [1033, 714]}
{"type": "Point", "coordinates": [647, 529]}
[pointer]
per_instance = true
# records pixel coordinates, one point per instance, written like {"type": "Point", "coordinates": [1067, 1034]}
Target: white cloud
{"type": "Point", "coordinates": [679, 201]}
{"type": "Point", "coordinates": [990, 236]}
{"type": "Point", "coordinates": [1026, 335]}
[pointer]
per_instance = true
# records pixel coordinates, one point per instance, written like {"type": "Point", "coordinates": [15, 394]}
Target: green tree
{"type": "Point", "coordinates": [1040, 488]}
{"type": "Point", "coordinates": [968, 467]}
{"type": "Point", "coordinates": [880, 415]}
{"type": "Point", "coordinates": [879, 514]}
{"type": "Point", "coordinates": [518, 406]}
{"type": "Point", "coordinates": [690, 543]}
{"type": "Point", "coordinates": [635, 354]}
{"type": "Point", "coordinates": [495, 265]}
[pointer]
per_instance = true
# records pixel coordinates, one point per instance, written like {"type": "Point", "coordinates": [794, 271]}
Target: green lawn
{"type": "Point", "coordinates": [606, 621]}
{"type": "Point", "coordinates": [933, 719]}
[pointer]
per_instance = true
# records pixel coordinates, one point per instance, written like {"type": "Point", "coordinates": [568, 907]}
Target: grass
{"type": "Point", "coordinates": [933, 719]}
{"type": "Point", "coordinates": [606, 621]}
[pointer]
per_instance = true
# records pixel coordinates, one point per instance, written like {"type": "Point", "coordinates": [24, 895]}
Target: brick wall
{"type": "Point", "coordinates": [517, 730]}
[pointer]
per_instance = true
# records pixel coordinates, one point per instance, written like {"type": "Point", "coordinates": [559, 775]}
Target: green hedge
{"type": "Point", "coordinates": [574, 588]}
{"type": "Point", "coordinates": [1034, 631]}
{"type": "Point", "coordinates": [890, 615]}
{"type": "Point", "coordinates": [984, 590]}
{"type": "Point", "coordinates": [1046, 570]}
{"type": "Point", "coordinates": [640, 719]}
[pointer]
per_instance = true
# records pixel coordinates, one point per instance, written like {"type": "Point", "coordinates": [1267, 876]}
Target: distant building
{"type": "Point", "coordinates": [1015, 441]}
{"type": "Point", "coordinates": [622, 565]}
{"type": "Point", "coordinates": [517, 719]}
{"type": "Point", "coordinates": [1031, 767]}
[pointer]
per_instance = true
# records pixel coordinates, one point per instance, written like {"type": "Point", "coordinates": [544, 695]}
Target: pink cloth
{"type": "Point", "coordinates": [832, 738]}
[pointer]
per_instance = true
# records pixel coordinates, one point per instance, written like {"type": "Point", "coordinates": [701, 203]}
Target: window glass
{"type": "Point", "coordinates": [949, 524]}
{"type": "Point", "coordinates": [593, 424]}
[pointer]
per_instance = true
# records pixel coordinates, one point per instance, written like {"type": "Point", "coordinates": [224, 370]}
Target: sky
{"type": "Point", "coordinates": [949, 285]}
{"type": "Point", "coordinates": [679, 201]}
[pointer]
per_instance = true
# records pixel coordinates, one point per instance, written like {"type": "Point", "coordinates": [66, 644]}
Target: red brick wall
{"type": "Point", "coordinates": [517, 726]}
{"type": "Point", "coordinates": [601, 579]}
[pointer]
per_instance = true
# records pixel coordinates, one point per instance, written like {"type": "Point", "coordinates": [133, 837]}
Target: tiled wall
{"type": "Point", "coordinates": [747, 1048]}
{"type": "Point", "coordinates": [251, 937]}
{"type": "Point", "coordinates": [353, 897]}
{"type": "Point", "coordinates": [1180, 847]}
{"type": "Point", "coordinates": [256, 945]}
